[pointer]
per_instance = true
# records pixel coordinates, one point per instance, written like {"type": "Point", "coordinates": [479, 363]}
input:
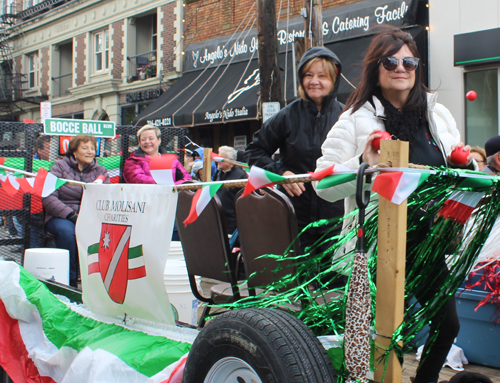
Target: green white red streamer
{"type": "Point", "coordinates": [45, 340]}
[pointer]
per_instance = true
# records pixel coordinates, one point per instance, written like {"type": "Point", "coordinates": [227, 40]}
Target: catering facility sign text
{"type": "Point", "coordinates": [339, 23]}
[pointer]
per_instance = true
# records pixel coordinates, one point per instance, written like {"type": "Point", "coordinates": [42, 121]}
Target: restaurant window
{"type": "Point", "coordinates": [481, 115]}
{"type": "Point", "coordinates": [33, 66]}
{"type": "Point", "coordinates": [101, 50]}
{"type": "Point", "coordinates": [130, 112]}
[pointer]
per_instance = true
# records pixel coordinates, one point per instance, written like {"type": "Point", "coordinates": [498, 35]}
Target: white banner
{"type": "Point", "coordinates": [124, 234]}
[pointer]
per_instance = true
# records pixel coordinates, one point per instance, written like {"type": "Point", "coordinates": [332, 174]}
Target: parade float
{"type": "Point", "coordinates": [290, 329]}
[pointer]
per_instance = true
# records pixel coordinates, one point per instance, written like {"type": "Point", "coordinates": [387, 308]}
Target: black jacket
{"type": "Point", "coordinates": [298, 131]}
{"type": "Point", "coordinates": [227, 195]}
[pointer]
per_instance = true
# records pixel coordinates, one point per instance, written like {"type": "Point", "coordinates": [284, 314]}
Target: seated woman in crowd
{"type": "Point", "coordinates": [136, 167]}
{"type": "Point", "coordinates": [63, 205]}
{"type": "Point", "coordinates": [479, 154]}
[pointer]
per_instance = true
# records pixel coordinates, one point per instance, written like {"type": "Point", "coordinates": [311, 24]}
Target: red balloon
{"type": "Point", "coordinates": [459, 156]}
{"type": "Point", "coordinates": [471, 95]}
{"type": "Point", "coordinates": [376, 141]}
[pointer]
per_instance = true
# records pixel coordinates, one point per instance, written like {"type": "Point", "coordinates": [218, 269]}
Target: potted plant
{"type": "Point", "coordinates": [147, 71]}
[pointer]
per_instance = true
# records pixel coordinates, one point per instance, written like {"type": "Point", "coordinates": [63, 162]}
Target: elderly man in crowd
{"type": "Point", "coordinates": [492, 148]}
{"type": "Point", "coordinates": [227, 171]}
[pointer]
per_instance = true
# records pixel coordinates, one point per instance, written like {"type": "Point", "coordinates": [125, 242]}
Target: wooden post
{"type": "Point", "coordinates": [313, 23]}
{"type": "Point", "coordinates": [391, 259]}
{"type": "Point", "coordinates": [270, 84]}
{"type": "Point", "coordinates": [206, 174]}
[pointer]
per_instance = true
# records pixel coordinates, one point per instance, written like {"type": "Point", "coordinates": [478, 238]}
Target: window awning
{"type": "Point", "coordinates": [215, 95]}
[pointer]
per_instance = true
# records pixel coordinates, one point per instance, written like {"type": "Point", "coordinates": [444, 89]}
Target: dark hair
{"type": "Point", "coordinates": [386, 43]}
{"type": "Point", "coordinates": [77, 140]}
{"type": "Point", "coordinates": [40, 142]}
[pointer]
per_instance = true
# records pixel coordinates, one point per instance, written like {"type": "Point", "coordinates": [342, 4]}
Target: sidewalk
{"type": "Point", "coordinates": [411, 364]}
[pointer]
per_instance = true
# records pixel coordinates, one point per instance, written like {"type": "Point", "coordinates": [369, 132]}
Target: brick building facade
{"type": "Point", "coordinates": [85, 57]}
{"type": "Point", "coordinates": [212, 18]}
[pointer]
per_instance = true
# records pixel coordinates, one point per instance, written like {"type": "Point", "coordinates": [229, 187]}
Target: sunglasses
{"type": "Point", "coordinates": [391, 63]}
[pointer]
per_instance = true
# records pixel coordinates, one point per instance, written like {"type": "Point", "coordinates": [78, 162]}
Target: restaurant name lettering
{"type": "Point", "coordinates": [220, 53]}
{"type": "Point", "coordinates": [144, 95]}
{"type": "Point", "coordinates": [335, 27]}
{"type": "Point", "coordinates": [382, 15]}
{"type": "Point", "coordinates": [226, 114]}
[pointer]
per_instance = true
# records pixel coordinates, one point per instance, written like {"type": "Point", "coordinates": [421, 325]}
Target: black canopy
{"type": "Point", "coordinates": [219, 94]}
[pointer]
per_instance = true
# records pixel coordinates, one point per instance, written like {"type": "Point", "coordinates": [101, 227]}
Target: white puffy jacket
{"type": "Point", "coordinates": [346, 141]}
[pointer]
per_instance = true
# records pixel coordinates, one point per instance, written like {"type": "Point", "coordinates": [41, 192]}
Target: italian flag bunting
{"type": "Point", "coordinates": [11, 162]}
{"type": "Point", "coordinates": [43, 339]}
{"type": "Point", "coordinates": [216, 157]}
{"type": "Point", "coordinates": [37, 164]}
{"type": "Point", "coordinates": [46, 183]}
{"type": "Point", "coordinates": [319, 175]}
{"type": "Point", "coordinates": [201, 199]}
{"type": "Point", "coordinates": [259, 178]}
{"type": "Point", "coordinates": [112, 165]}
{"type": "Point", "coordinates": [335, 179]}
{"type": "Point", "coordinates": [460, 205]}
{"type": "Point", "coordinates": [398, 186]}
{"type": "Point", "coordinates": [474, 180]}
{"type": "Point", "coordinates": [161, 169]}
{"type": "Point", "coordinates": [26, 184]}
{"type": "Point", "coordinates": [10, 184]}
{"type": "Point", "coordinates": [100, 179]}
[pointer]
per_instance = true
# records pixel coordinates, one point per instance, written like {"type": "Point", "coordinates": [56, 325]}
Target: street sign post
{"type": "Point", "coordinates": [45, 110]}
{"type": "Point", "coordinates": [269, 109]}
{"type": "Point", "coordinates": [70, 127]}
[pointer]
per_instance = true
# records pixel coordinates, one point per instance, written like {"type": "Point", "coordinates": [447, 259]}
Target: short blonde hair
{"type": "Point", "coordinates": [149, 127]}
{"type": "Point", "coordinates": [328, 66]}
{"type": "Point", "coordinates": [480, 151]}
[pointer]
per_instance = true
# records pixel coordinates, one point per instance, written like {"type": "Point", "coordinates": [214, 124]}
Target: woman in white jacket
{"type": "Point", "coordinates": [391, 96]}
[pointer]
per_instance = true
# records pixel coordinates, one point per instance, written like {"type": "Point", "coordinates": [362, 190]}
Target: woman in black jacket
{"type": "Point", "coordinates": [298, 131]}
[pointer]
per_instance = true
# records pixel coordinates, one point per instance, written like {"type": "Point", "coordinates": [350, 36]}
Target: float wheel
{"type": "Point", "coordinates": [257, 346]}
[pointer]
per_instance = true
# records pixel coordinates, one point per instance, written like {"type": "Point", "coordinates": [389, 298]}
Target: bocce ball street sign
{"type": "Point", "coordinates": [70, 127]}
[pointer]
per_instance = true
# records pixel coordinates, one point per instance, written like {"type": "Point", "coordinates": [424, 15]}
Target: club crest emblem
{"type": "Point", "coordinates": [114, 259]}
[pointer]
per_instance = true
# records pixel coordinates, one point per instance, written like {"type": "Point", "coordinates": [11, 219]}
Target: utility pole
{"type": "Point", "coordinates": [313, 23]}
{"type": "Point", "coordinates": [270, 84]}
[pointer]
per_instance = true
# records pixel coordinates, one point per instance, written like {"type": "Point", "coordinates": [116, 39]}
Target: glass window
{"type": "Point", "coordinates": [154, 34]}
{"type": "Point", "coordinates": [101, 50]}
{"type": "Point", "coordinates": [33, 70]}
{"type": "Point", "coordinates": [130, 112]}
{"type": "Point", "coordinates": [481, 115]}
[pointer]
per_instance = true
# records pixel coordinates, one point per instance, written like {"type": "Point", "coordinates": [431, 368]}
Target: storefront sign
{"type": "Point", "coordinates": [468, 51]}
{"type": "Point", "coordinates": [45, 110]}
{"type": "Point", "coordinates": [144, 95]}
{"type": "Point", "coordinates": [240, 142]}
{"type": "Point", "coordinates": [339, 23]}
{"type": "Point", "coordinates": [70, 127]}
{"type": "Point", "coordinates": [160, 122]}
{"type": "Point", "coordinates": [269, 109]}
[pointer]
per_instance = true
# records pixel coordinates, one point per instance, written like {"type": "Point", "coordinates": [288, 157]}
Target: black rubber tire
{"type": "Point", "coordinates": [278, 346]}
